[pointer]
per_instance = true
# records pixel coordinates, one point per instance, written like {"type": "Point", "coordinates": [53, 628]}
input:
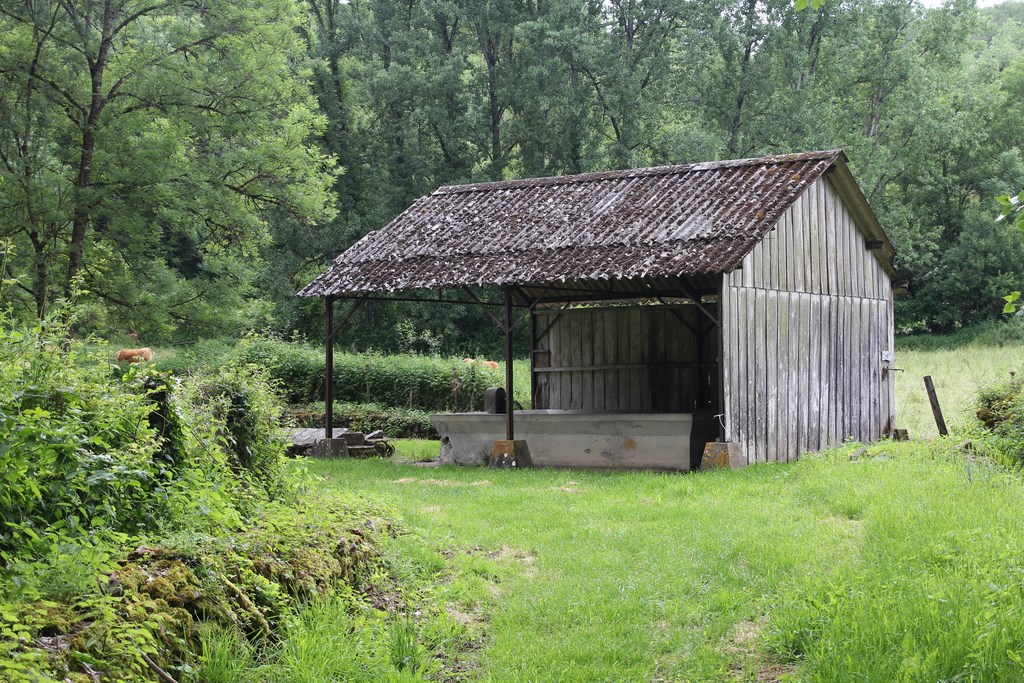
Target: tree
{"type": "Point", "coordinates": [142, 144]}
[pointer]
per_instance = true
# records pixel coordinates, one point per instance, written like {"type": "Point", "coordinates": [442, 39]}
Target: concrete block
{"type": "Point", "coordinates": [352, 438]}
{"type": "Point", "coordinates": [510, 454]}
{"type": "Point", "coordinates": [558, 438]}
{"type": "Point", "coordinates": [722, 455]}
{"type": "Point", "coordinates": [329, 448]}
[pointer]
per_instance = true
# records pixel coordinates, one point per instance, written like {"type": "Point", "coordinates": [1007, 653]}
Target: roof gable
{"type": "Point", "coordinates": [667, 221]}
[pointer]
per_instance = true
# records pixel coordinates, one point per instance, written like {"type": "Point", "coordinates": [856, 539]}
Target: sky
{"type": "Point", "coordinates": [981, 3]}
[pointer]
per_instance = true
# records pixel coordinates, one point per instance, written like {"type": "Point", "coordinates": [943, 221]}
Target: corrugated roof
{"type": "Point", "coordinates": [689, 219]}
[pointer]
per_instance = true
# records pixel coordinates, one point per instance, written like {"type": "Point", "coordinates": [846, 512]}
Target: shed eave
{"type": "Point", "coordinates": [846, 185]}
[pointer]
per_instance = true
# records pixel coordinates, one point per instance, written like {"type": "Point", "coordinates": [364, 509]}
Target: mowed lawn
{"type": "Point", "coordinates": [903, 562]}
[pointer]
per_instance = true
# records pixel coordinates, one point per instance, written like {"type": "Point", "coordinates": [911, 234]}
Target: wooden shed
{"type": "Point", "coordinates": [747, 300]}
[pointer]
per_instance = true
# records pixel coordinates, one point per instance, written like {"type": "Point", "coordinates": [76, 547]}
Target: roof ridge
{"type": "Point", "coordinates": [647, 171]}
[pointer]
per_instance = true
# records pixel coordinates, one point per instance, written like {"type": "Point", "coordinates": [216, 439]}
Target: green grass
{"type": "Point", "coordinates": [416, 450]}
{"type": "Point", "coordinates": [959, 373]}
{"type": "Point", "coordinates": [904, 564]}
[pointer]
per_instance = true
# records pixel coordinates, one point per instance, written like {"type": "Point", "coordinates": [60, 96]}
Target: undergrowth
{"type": "Point", "coordinates": [149, 524]}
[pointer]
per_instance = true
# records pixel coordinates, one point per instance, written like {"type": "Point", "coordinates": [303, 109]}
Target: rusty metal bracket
{"type": "Point", "coordinates": [474, 297]}
{"type": "Point", "coordinates": [692, 296]}
{"type": "Point", "coordinates": [356, 305]}
{"type": "Point", "coordinates": [677, 314]}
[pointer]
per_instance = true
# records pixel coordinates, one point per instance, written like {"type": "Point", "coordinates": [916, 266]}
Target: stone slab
{"type": "Point", "coordinates": [307, 436]}
{"type": "Point", "coordinates": [329, 448]}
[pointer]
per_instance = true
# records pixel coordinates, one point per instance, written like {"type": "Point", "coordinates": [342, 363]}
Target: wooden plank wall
{"type": "Point", "coordinates": [626, 359]}
{"type": "Point", "coordinates": [806, 321]}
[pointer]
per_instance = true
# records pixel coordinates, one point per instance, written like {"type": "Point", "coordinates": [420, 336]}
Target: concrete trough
{"type": "Point", "coordinates": [583, 439]}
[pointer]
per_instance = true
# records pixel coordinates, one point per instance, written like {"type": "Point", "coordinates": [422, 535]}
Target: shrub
{"type": "Point", "coordinates": [1001, 412]}
{"type": "Point", "coordinates": [236, 415]}
{"type": "Point", "coordinates": [85, 449]}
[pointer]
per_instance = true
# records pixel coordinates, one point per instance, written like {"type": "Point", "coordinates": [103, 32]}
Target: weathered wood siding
{"type": "Point", "coordinates": [806, 322]}
{"type": "Point", "coordinates": [625, 359]}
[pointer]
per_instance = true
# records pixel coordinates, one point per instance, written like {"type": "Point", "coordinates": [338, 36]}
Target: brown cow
{"type": "Point", "coordinates": [134, 355]}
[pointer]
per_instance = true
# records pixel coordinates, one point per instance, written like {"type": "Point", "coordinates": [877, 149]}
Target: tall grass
{"type": "Point", "coordinates": [337, 638]}
{"type": "Point", "coordinates": [959, 374]}
{"type": "Point", "coordinates": [932, 589]}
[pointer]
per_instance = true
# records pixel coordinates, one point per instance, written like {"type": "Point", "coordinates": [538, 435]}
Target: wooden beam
{"type": "Point", "coordinates": [425, 300]}
{"type": "Point", "coordinates": [559, 294]}
{"type": "Point", "coordinates": [679, 315]}
{"type": "Point", "coordinates": [547, 329]}
{"type": "Point", "coordinates": [721, 364]}
{"type": "Point", "coordinates": [874, 245]}
{"type": "Point", "coordinates": [933, 398]}
{"type": "Point", "coordinates": [598, 297]}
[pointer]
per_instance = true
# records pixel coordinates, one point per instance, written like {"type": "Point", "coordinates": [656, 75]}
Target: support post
{"type": "Point", "coordinates": [509, 410]}
{"type": "Point", "coordinates": [720, 327]}
{"type": "Point", "coordinates": [509, 452]}
{"type": "Point", "coordinates": [329, 371]}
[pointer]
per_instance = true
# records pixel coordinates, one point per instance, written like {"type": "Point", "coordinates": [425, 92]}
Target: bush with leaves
{"type": "Point", "coordinates": [76, 449]}
{"type": "Point", "coordinates": [236, 422]}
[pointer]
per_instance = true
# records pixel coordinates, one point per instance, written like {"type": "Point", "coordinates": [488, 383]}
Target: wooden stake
{"type": "Point", "coordinates": [936, 409]}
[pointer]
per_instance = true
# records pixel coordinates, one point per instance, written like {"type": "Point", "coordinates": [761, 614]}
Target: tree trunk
{"type": "Point", "coordinates": [82, 201]}
{"type": "Point", "coordinates": [80, 220]}
{"type": "Point", "coordinates": [41, 274]}
{"type": "Point", "coordinates": [497, 158]}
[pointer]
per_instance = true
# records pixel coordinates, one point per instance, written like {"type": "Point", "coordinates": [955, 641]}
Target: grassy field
{"type": "Point", "coordinates": [958, 374]}
{"type": "Point", "coordinates": [904, 563]}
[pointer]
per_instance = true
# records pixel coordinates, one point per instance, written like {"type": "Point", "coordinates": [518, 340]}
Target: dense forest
{"type": "Point", "coordinates": [183, 168]}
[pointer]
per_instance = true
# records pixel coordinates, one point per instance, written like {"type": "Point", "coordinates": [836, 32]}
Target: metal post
{"type": "Point", "coordinates": [702, 372]}
{"type": "Point", "coordinates": [720, 370]}
{"type": "Point", "coordinates": [329, 371]}
{"type": "Point", "coordinates": [509, 428]}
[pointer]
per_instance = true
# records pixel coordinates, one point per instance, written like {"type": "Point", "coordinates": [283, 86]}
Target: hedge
{"type": "Point", "coordinates": [397, 423]}
{"type": "Point", "coordinates": [423, 383]}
